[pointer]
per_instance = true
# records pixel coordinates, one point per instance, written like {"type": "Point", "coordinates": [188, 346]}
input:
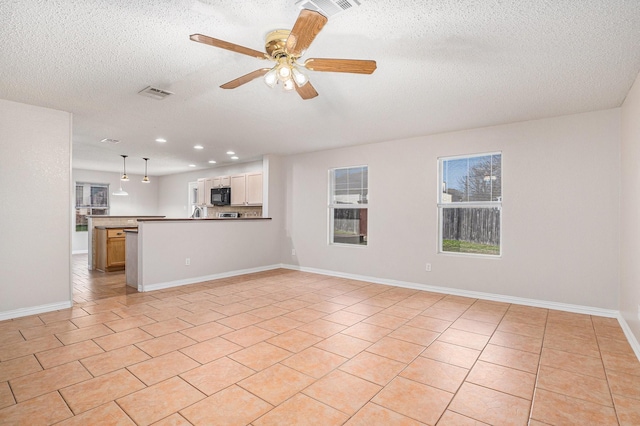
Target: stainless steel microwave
{"type": "Point", "coordinates": [220, 196]}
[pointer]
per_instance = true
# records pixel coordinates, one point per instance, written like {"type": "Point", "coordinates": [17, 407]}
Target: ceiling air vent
{"type": "Point", "coordinates": [155, 93]}
{"type": "Point", "coordinates": [328, 8]}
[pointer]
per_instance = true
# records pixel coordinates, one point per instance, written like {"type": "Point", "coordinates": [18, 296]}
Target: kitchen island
{"type": "Point", "coordinates": [110, 248]}
{"type": "Point", "coordinates": [94, 221]}
{"type": "Point", "coordinates": [175, 252]}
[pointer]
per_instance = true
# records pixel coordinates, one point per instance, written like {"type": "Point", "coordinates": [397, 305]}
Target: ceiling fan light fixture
{"type": "Point", "coordinates": [299, 77]}
{"type": "Point", "coordinates": [284, 71]}
{"type": "Point", "coordinates": [288, 85]}
{"type": "Point", "coordinates": [271, 77]}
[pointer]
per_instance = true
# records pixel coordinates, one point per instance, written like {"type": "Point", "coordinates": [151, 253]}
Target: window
{"type": "Point", "coordinates": [91, 199]}
{"type": "Point", "coordinates": [470, 204]}
{"type": "Point", "coordinates": [348, 198]}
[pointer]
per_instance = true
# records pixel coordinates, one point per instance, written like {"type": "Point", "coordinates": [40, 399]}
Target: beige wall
{"type": "Point", "coordinates": [35, 171]}
{"type": "Point", "coordinates": [630, 211]}
{"type": "Point", "coordinates": [560, 211]}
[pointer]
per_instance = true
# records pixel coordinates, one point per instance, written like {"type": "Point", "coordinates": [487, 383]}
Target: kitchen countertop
{"type": "Point", "coordinates": [115, 227]}
{"type": "Point", "coordinates": [187, 219]}
{"type": "Point", "coordinates": [121, 217]}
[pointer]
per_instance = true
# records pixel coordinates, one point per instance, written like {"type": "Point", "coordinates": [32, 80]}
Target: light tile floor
{"type": "Point", "coordinates": [94, 285]}
{"type": "Point", "coordinates": [294, 348]}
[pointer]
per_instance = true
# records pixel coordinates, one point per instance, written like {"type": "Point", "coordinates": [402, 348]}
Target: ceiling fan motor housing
{"type": "Point", "coordinates": [275, 43]}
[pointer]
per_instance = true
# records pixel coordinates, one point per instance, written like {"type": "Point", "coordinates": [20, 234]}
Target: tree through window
{"type": "Point", "coordinates": [470, 204]}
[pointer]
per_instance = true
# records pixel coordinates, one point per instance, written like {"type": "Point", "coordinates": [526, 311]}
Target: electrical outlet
{"type": "Point", "coordinates": [293, 252]}
{"type": "Point", "coordinates": [428, 268]}
{"type": "Point", "coordinates": [187, 261]}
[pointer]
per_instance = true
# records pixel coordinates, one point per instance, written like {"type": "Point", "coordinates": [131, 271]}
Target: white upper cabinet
{"type": "Point", "coordinates": [208, 183]}
{"type": "Point", "coordinates": [221, 182]}
{"type": "Point", "coordinates": [238, 190]}
{"type": "Point", "coordinates": [254, 189]}
{"type": "Point", "coordinates": [202, 192]}
{"type": "Point", "coordinates": [246, 189]}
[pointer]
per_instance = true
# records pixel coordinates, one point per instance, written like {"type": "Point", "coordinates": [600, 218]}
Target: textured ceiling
{"type": "Point", "coordinates": [443, 65]}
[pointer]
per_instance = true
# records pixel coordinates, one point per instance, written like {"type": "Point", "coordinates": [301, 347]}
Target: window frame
{"type": "Point", "coordinates": [90, 207]}
{"type": "Point", "coordinates": [468, 204]}
{"type": "Point", "coordinates": [332, 206]}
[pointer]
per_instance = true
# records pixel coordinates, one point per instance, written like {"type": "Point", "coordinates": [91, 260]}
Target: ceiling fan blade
{"type": "Point", "coordinates": [306, 28]}
{"type": "Point", "coordinates": [228, 46]}
{"type": "Point", "coordinates": [245, 78]}
{"type": "Point", "coordinates": [357, 66]}
{"type": "Point", "coordinates": [307, 91]}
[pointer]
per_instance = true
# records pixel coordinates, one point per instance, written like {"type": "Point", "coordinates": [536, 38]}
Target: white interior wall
{"type": "Point", "coordinates": [630, 210]}
{"type": "Point", "coordinates": [35, 217]}
{"type": "Point", "coordinates": [173, 198]}
{"type": "Point", "coordinates": [142, 199]}
{"type": "Point", "coordinates": [560, 211]}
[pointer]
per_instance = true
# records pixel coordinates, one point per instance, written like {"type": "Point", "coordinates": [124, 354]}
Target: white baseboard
{"type": "Point", "coordinates": [194, 280]}
{"type": "Point", "coordinates": [34, 310]}
{"type": "Point", "coordinates": [610, 313]}
{"type": "Point", "coordinates": [630, 336]}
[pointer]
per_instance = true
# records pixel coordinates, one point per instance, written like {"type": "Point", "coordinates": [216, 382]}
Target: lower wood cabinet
{"type": "Point", "coordinates": [110, 249]}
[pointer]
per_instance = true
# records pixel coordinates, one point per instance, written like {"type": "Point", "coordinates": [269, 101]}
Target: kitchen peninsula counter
{"type": "Point", "coordinates": [171, 252]}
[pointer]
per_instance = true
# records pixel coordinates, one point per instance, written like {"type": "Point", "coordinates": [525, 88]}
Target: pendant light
{"type": "Point", "coordinates": [120, 192]}
{"type": "Point", "coordinates": [145, 179]}
{"type": "Point", "coordinates": [124, 177]}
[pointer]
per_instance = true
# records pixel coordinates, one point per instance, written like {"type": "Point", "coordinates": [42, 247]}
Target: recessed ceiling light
{"type": "Point", "coordinates": [230, 152]}
{"type": "Point", "coordinates": [161, 140]}
{"type": "Point", "coordinates": [192, 165]}
{"type": "Point", "coordinates": [212, 161]}
{"type": "Point", "coordinates": [109, 140]}
{"type": "Point", "coordinates": [234, 158]}
{"type": "Point", "coordinates": [198, 147]}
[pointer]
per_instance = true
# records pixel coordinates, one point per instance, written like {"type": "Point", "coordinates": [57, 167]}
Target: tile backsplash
{"type": "Point", "coordinates": [244, 211]}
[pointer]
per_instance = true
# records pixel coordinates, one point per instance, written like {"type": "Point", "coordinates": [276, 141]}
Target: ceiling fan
{"type": "Point", "coordinates": [285, 48]}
